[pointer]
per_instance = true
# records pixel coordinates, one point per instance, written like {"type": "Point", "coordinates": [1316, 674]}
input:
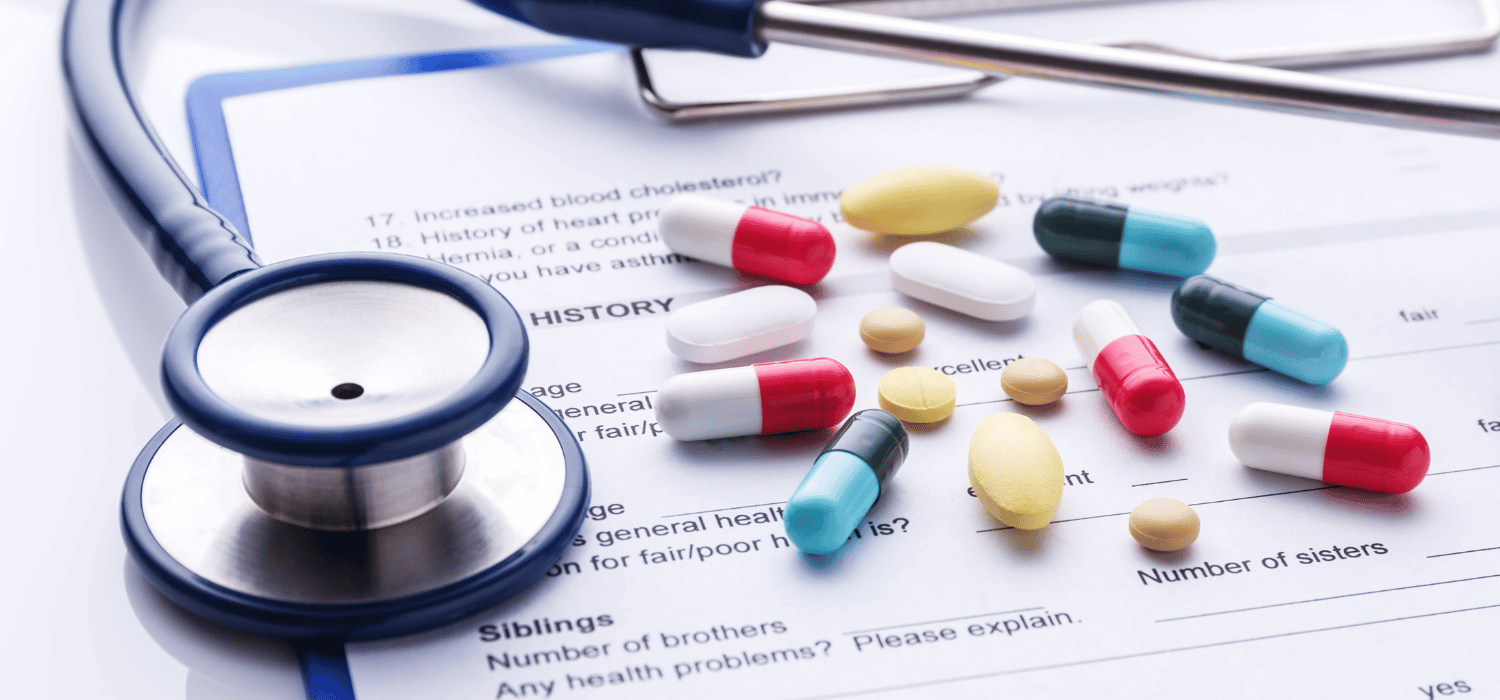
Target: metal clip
{"type": "Point", "coordinates": [1326, 54]}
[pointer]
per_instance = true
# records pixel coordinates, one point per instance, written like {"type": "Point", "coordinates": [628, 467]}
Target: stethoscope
{"type": "Point", "coordinates": [351, 457]}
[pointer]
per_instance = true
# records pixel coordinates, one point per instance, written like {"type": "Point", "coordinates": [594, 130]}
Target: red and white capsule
{"type": "Point", "coordinates": [1137, 383]}
{"type": "Point", "coordinates": [1330, 446]}
{"type": "Point", "coordinates": [762, 399]}
{"type": "Point", "coordinates": [753, 240]}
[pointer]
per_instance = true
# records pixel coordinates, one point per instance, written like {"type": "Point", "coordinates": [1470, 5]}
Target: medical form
{"type": "Point", "coordinates": [545, 178]}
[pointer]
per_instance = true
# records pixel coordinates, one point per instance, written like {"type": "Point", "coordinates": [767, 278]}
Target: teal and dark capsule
{"type": "Point", "coordinates": [1259, 329]}
{"type": "Point", "coordinates": [1117, 236]}
{"type": "Point", "coordinates": [845, 481]}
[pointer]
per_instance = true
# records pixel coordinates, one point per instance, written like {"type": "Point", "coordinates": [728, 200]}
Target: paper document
{"type": "Point", "coordinates": [545, 180]}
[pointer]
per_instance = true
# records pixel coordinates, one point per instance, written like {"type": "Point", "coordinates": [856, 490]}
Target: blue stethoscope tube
{"type": "Point", "coordinates": [192, 246]}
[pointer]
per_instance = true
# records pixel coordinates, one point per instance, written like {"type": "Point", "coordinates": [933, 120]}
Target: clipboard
{"type": "Point", "coordinates": [210, 132]}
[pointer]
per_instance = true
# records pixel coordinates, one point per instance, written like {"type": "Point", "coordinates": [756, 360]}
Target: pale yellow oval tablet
{"type": "Point", "coordinates": [1015, 470]}
{"type": "Point", "coordinates": [1034, 381]}
{"type": "Point", "coordinates": [1164, 524]}
{"type": "Point", "coordinates": [892, 330]}
{"type": "Point", "coordinates": [919, 200]}
{"type": "Point", "coordinates": [917, 394]}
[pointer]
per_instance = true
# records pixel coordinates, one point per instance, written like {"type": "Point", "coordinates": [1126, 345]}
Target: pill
{"type": "Point", "coordinates": [1253, 327]}
{"type": "Point", "coordinates": [761, 399]}
{"type": "Point", "coordinates": [740, 324]}
{"type": "Point", "coordinates": [845, 481]}
{"type": "Point", "coordinates": [1330, 446]}
{"type": "Point", "coordinates": [1033, 381]}
{"type": "Point", "coordinates": [753, 240]}
{"type": "Point", "coordinates": [961, 281]}
{"type": "Point", "coordinates": [917, 394]}
{"type": "Point", "coordinates": [1015, 471]}
{"type": "Point", "coordinates": [892, 330]}
{"type": "Point", "coordinates": [1136, 382]}
{"type": "Point", "coordinates": [919, 200]}
{"type": "Point", "coordinates": [1117, 236]}
{"type": "Point", "coordinates": [1164, 524]}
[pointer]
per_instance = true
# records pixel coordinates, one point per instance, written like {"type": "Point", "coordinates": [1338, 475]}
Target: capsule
{"type": "Point", "coordinates": [1256, 328]}
{"type": "Point", "coordinates": [1330, 446]}
{"type": "Point", "coordinates": [753, 240]}
{"type": "Point", "coordinates": [761, 399]}
{"type": "Point", "coordinates": [1137, 383]}
{"type": "Point", "coordinates": [845, 481]}
{"type": "Point", "coordinates": [1117, 236]}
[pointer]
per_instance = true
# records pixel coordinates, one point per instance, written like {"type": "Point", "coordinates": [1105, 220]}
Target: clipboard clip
{"type": "Point", "coordinates": [1312, 55]}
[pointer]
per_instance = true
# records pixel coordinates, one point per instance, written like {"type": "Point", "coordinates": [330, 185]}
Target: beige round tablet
{"type": "Point", "coordinates": [1034, 381]}
{"type": "Point", "coordinates": [1164, 524]}
{"type": "Point", "coordinates": [892, 330]}
{"type": "Point", "coordinates": [917, 394]}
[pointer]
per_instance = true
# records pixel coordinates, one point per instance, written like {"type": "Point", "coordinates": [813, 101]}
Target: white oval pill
{"type": "Point", "coordinates": [966, 282]}
{"type": "Point", "coordinates": [740, 324]}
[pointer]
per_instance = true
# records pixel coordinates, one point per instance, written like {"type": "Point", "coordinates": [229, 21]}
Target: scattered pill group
{"type": "Point", "coordinates": [1164, 524]}
{"type": "Point", "coordinates": [762, 399]}
{"type": "Point", "coordinates": [1136, 382]}
{"type": "Point", "coordinates": [962, 281]}
{"type": "Point", "coordinates": [1330, 446]}
{"type": "Point", "coordinates": [1015, 470]}
{"type": "Point", "coordinates": [919, 200]}
{"type": "Point", "coordinates": [1259, 329]}
{"type": "Point", "coordinates": [1117, 236]}
{"type": "Point", "coordinates": [892, 330]}
{"type": "Point", "coordinates": [750, 239]}
{"type": "Point", "coordinates": [845, 481]}
{"type": "Point", "coordinates": [1033, 381]}
{"type": "Point", "coordinates": [740, 324]}
{"type": "Point", "coordinates": [918, 394]}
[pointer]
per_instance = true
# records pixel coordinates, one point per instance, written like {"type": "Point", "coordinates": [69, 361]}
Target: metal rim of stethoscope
{"type": "Point", "coordinates": [395, 616]}
{"type": "Point", "coordinates": [450, 500]}
{"type": "Point", "coordinates": [203, 408]}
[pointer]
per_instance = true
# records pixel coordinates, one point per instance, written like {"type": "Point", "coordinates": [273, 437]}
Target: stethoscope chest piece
{"type": "Point", "coordinates": [349, 461]}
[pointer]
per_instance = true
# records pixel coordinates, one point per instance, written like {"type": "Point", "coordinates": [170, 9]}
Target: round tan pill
{"type": "Point", "coordinates": [892, 330]}
{"type": "Point", "coordinates": [1034, 381]}
{"type": "Point", "coordinates": [1015, 471]}
{"type": "Point", "coordinates": [919, 200]}
{"type": "Point", "coordinates": [1164, 524]}
{"type": "Point", "coordinates": [917, 394]}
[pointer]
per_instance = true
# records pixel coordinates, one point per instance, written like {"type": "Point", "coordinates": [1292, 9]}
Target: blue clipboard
{"type": "Point", "coordinates": [325, 669]}
{"type": "Point", "coordinates": [206, 95]}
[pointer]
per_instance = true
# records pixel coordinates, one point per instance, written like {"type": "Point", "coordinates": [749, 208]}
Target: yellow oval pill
{"type": "Point", "coordinates": [1034, 381]}
{"type": "Point", "coordinates": [892, 330]}
{"type": "Point", "coordinates": [919, 200]}
{"type": "Point", "coordinates": [917, 394]}
{"type": "Point", "coordinates": [1015, 470]}
{"type": "Point", "coordinates": [1164, 524]}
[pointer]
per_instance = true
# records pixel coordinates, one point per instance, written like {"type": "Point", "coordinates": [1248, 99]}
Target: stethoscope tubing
{"type": "Point", "coordinates": [194, 247]}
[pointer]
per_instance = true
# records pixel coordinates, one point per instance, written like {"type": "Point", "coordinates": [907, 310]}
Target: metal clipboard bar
{"type": "Point", "coordinates": [1312, 55]}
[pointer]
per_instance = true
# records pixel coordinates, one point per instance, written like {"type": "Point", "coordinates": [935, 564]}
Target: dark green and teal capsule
{"type": "Point", "coordinates": [1119, 236]}
{"type": "Point", "coordinates": [1251, 326]}
{"type": "Point", "coordinates": [845, 481]}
